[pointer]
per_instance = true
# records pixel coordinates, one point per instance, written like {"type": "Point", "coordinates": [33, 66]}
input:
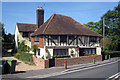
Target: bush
{"type": "Point", "coordinates": [89, 54]}
{"type": "Point", "coordinates": [61, 56]}
{"type": "Point", "coordinates": [34, 48]}
{"type": "Point", "coordinates": [113, 53]}
{"type": "Point", "coordinates": [17, 55]}
{"type": "Point", "coordinates": [72, 54]}
{"type": "Point", "coordinates": [25, 57]}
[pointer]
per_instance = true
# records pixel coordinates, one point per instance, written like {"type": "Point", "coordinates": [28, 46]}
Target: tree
{"type": "Point", "coordinates": [112, 27]}
{"type": "Point", "coordinates": [21, 47]}
{"type": "Point", "coordinates": [34, 48]}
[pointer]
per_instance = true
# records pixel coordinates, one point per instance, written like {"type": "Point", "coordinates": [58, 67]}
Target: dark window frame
{"type": "Point", "coordinates": [63, 39]}
{"type": "Point", "coordinates": [93, 39]}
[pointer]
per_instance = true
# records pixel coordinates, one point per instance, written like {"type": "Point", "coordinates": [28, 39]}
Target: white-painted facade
{"type": "Point", "coordinates": [78, 42]}
{"type": "Point", "coordinates": [21, 38]}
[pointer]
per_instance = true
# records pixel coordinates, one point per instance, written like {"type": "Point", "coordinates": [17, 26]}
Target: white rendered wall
{"type": "Point", "coordinates": [98, 50]}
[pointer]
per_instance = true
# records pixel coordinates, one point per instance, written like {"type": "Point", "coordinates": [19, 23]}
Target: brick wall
{"type": "Point", "coordinates": [40, 44]}
{"type": "Point", "coordinates": [77, 60]}
{"type": "Point", "coordinates": [42, 63]}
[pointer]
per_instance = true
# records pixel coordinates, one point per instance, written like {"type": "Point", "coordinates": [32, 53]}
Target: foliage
{"type": "Point", "coordinates": [72, 54]}
{"type": "Point", "coordinates": [34, 48]}
{"type": "Point", "coordinates": [112, 27]}
{"type": "Point", "coordinates": [42, 57]}
{"type": "Point", "coordinates": [61, 56]}
{"type": "Point", "coordinates": [21, 47]}
{"type": "Point", "coordinates": [47, 57]}
{"type": "Point", "coordinates": [8, 41]}
{"type": "Point", "coordinates": [72, 51]}
{"type": "Point", "coordinates": [112, 53]}
{"type": "Point", "coordinates": [28, 49]}
{"type": "Point", "coordinates": [17, 55]}
{"type": "Point", "coordinates": [25, 57]}
{"type": "Point", "coordinates": [89, 54]}
{"type": "Point", "coordinates": [1, 32]}
{"type": "Point", "coordinates": [107, 43]}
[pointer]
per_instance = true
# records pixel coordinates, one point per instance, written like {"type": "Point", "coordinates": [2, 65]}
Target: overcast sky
{"type": "Point", "coordinates": [25, 12]}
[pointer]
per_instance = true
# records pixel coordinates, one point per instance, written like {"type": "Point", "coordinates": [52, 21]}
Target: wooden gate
{"type": "Point", "coordinates": [52, 62]}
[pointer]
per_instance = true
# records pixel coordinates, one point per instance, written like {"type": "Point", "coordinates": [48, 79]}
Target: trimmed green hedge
{"type": "Point", "coordinates": [113, 53]}
{"type": "Point", "coordinates": [25, 57]}
{"type": "Point", "coordinates": [61, 56]}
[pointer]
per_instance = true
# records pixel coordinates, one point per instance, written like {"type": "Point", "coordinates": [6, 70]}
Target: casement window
{"type": "Point", "coordinates": [36, 39]}
{"type": "Point", "coordinates": [39, 52]}
{"type": "Point", "coordinates": [89, 51]}
{"type": "Point", "coordinates": [25, 34]}
{"type": "Point", "coordinates": [93, 39]}
{"type": "Point", "coordinates": [63, 39]}
{"type": "Point", "coordinates": [60, 51]}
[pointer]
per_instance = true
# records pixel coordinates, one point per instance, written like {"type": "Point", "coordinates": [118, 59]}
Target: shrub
{"type": "Point", "coordinates": [72, 51]}
{"type": "Point", "coordinates": [28, 49]}
{"type": "Point", "coordinates": [34, 48]}
{"type": "Point", "coordinates": [42, 57]}
{"type": "Point", "coordinates": [89, 54]}
{"type": "Point", "coordinates": [113, 53]}
{"type": "Point", "coordinates": [61, 56]}
{"type": "Point", "coordinates": [72, 54]}
{"type": "Point", "coordinates": [47, 57]}
{"type": "Point", "coordinates": [25, 57]}
{"type": "Point", "coordinates": [17, 55]}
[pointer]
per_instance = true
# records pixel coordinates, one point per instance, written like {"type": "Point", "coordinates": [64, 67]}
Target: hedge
{"type": "Point", "coordinates": [61, 56]}
{"type": "Point", "coordinates": [113, 53]}
{"type": "Point", "coordinates": [25, 57]}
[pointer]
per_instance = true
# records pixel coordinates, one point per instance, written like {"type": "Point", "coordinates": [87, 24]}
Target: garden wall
{"type": "Point", "coordinates": [42, 63]}
{"type": "Point", "coordinates": [77, 60]}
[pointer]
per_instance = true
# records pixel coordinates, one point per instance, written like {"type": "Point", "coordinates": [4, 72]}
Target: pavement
{"type": "Point", "coordinates": [53, 70]}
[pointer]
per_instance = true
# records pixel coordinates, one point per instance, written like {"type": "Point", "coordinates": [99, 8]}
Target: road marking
{"type": "Point", "coordinates": [63, 72]}
{"type": "Point", "coordinates": [114, 76]}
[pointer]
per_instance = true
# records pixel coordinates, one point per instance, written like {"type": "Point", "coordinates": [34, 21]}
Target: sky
{"type": "Point", "coordinates": [25, 12]}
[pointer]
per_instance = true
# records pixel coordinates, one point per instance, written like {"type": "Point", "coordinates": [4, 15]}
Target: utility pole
{"type": "Point", "coordinates": [103, 33]}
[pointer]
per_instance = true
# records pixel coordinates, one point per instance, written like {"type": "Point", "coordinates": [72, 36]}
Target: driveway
{"type": "Point", "coordinates": [21, 66]}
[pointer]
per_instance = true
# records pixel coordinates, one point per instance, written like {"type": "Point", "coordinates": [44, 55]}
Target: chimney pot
{"type": "Point", "coordinates": [38, 7]}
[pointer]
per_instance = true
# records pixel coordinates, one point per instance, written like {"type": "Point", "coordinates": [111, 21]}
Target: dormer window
{"type": "Point", "coordinates": [36, 39]}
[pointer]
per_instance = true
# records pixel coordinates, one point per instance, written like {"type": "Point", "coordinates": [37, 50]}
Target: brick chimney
{"type": "Point", "coordinates": [40, 16]}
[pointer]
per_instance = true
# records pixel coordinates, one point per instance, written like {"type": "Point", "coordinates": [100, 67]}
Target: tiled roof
{"type": "Point", "coordinates": [24, 27]}
{"type": "Point", "coordinates": [63, 25]}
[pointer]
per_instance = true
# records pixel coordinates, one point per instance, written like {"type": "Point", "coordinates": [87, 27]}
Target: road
{"type": "Point", "coordinates": [103, 71]}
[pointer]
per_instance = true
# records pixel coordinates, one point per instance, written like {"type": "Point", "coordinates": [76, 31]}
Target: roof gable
{"type": "Point", "coordinates": [23, 27]}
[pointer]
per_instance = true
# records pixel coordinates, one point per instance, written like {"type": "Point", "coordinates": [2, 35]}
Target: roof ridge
{"type": "Point", "coordinates": [48, 23]}
{"type": "Point", "coordinates": [26, 23]}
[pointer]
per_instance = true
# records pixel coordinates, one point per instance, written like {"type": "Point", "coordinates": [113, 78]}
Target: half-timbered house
{"type": "Point", "coordinates": [62, 35]}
